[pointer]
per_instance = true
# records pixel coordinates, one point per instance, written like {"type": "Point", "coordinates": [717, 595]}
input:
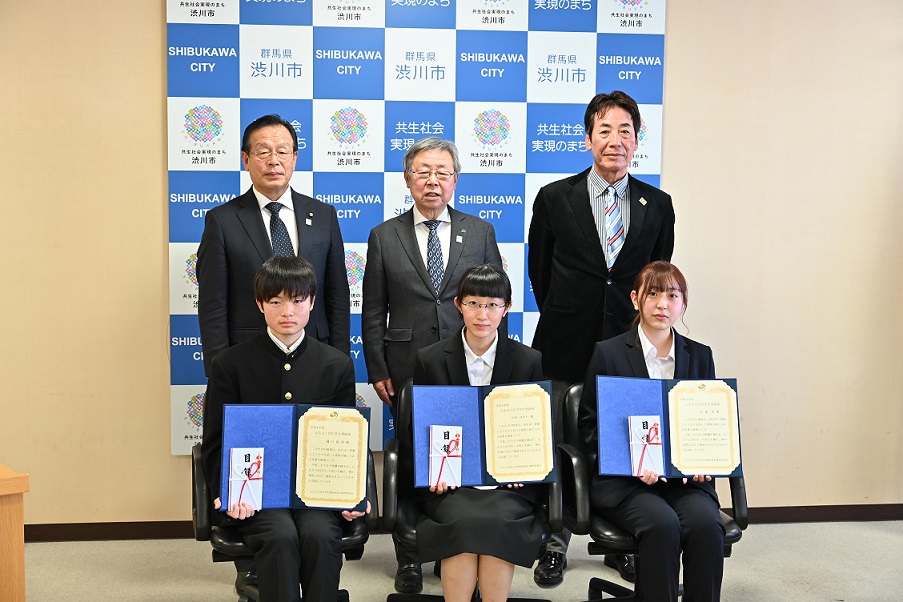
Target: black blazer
{"type": "Point", "coordinates": [580, 301]}
{"type": "Point", "coordinates": [444, 363]}
{"type": "Point", "coordinates": [234, 246]}
{"type": "Point", "coordinates": [623, 356]}
{"type": "Point", "coordinates": [255, 372]}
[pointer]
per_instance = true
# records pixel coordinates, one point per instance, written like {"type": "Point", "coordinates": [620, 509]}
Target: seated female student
{"type": "Point", "coordinates": [666, 516]}
{"type": "Point", "coordinates": [479, 534]}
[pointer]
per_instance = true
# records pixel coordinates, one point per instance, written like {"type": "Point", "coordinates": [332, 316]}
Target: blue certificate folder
{"type": "Point", "coordinates": [622, 397]}
{"type": "Point", "coordinates": [275, 429]}
{"type": "Point", "coordinates": [458, 406]}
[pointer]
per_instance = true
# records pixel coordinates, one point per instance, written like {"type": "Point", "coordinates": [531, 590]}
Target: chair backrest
{"type": "Point", "coordinates": [569, 412]}
{"type": "Point", "coordinates": [404, 407]}
{"type": "Point", "coordinates": [200, 496]}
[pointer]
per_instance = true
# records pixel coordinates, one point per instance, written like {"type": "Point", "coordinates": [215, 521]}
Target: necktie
{"type": "Point", "coordinates": [434, 264]}
{"type": "Point", "coordinates": [613, 226]}
{"type": "Point", "coordinates": [282, 244]}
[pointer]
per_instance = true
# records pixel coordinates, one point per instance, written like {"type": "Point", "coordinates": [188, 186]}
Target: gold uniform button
{"type": "Point", "coordinates": [288, 396]}
{"type": "Point", "coordinates": [287, 367]}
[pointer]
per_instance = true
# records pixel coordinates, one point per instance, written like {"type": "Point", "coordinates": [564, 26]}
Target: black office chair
{"type": "Point", "coordinates": [400, 516]}
{"type": "Point", "coordinates": [228, 544]}
{"type": "Point", "coordinates": [607, 537]}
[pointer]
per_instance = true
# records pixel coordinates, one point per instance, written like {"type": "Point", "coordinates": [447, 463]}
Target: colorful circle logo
{"type": "Point", "coordinates": [491, 127]}
{"type": "Point", "coordinates": [203, 124]}
{"type": "Point", "coordinates": [348, 126]}
{"type": "Point", "coordinates": [194, 411]}
{"type": "Point", "coordinates": [191, 266]}
{"type": "Point", "coordinates": [354, 265]}
{"type": "Point", "coordinates": [359, 401]}
{"type": "Point", "coordinates": [504, 264]}
{"type": "Point", "coordinates": [631, 3]}
{"type": "Point", "coordinates": [641, 135]}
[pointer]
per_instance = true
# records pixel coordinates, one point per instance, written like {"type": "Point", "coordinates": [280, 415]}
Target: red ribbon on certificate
{"type": "Point", "coordinates": [452, 451]}
{"type": "Point", "coordinates": [253, 475]}
{"type": "Point", "coordinates": [653, 437]}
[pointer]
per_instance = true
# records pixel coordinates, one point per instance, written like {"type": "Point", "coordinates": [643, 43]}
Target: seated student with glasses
{"type": "Point", "coordinates": [479, 534]}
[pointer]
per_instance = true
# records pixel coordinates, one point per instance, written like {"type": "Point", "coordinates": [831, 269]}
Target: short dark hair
{"type": "Point", "coordinates": [431, 143]}
{"type": "Point", "coordinates": [601, 103]}
{"type": "Point", "coordinates": [263, 122]}
{"type": "Point", "coordinates": [485, 280]}
{"type": "Point", "coordinates": [292, 276]}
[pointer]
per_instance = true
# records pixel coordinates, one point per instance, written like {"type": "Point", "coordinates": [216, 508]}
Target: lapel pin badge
{"type": "Point", "coordinates": [459, 239]}
{"type": "Point", "coordinates": [642, 201]}
{"type": "Point", "coordinates": [309, 221]}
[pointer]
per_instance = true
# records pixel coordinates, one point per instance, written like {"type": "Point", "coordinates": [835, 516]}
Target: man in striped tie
{"type": "Point", "coordinates": [590, 235]}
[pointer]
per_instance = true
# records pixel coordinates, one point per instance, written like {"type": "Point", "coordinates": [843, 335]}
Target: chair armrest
{"type": "Point", "coordinates": [390, 485]}
{"type": "Point", "coordinates": [200, 497]}
{"type": "Point", "coordinates": [574, 482]}
{"type": "Point", "coordinates": [372, 519]}
{"type": "Point", "coordinates": [738, 501]}
{"type": "Point", "coordinates": [555, 513]}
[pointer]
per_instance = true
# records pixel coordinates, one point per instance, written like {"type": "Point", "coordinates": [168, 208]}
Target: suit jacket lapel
{"type": "Point", "coordinates": [455, 360]}
{"type": "Point", "coordinates": [578, 200]}
{"type": "Point", "coordinates": [458, 229]}
{"type": "Point", "coordinates": [303, 212]}
{"type": "Point", "coordinates": [637, 216]}
{"type": "Point", "coordinates": [504, 361]}
{"type": "Point", "coordinates": [404, 228]}
{"type": "Point", "coordinates": [681, 357]}
{"type": "Point", "coordinates": [251, 220]}
{"type": "Point", "coordinates": [635, 355]}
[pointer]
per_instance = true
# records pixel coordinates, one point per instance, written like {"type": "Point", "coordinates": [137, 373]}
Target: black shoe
{"type": "Point", "coordinates": [623, 563]}
{"type": "Point", "coordinates": [243, 580]}
{"type": "Point", "coordinates": [408, 579]}
{"type": "Point", "coordinates": [550, 568]}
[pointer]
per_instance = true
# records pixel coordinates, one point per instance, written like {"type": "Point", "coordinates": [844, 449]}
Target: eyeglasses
{"type": "Point", "coordinates": [492, 308]}
{"type": "Point", "coordinates": [264, 155]}
{"type": "Point", "coordinates": [442, 176]}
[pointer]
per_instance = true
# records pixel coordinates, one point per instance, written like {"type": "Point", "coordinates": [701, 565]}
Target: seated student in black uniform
{"type": "Point", "coordinates": [667, 516]}
{"type": "Point", "coordinates": [479, 534]}
{"type": "Point", "coordinates": [282, 365]}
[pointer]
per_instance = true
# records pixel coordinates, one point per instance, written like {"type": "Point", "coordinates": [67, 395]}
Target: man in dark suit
{"type": "Point", "coordinates": [270, 218]}
{"type": "Point", "coordinates": [414, 263]}
{"type": "Point", "coordinates": [238, 238]}
{"type": "Point", "coordinates": [281, 365]}
{"type": "Point", "coordinates": [590, 235]}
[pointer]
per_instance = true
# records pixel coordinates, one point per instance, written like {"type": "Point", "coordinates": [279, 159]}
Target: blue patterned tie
{"type": "Point", "coordinates": [282, 244]}
{"type": "Point", "coordinates": [434, 264]}
{"type": "Point", "coordinates": [613, 226]}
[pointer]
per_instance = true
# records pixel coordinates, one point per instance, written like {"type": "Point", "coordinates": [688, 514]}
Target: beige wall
{"type": "Point", "coordinates": [780, 118]}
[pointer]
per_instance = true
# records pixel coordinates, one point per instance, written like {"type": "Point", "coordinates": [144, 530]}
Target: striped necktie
{"type": "Point", "coordinates": [614, 226]}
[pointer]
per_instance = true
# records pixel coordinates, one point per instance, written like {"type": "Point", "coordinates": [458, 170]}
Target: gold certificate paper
{"type": "Point", "coordinates": [332, 458]}
{"type": "Point", "coordinates": [518, 425]}
{"type": "Point", "coordinates": [705, 427]}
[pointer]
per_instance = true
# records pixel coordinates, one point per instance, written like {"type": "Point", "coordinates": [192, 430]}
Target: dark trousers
{"type": "Point", "coordinates": [404, 554]}
{"type": "Point", "coordinates": [667, 519]}
{"type": "Point", "coordinates": [292, 546]}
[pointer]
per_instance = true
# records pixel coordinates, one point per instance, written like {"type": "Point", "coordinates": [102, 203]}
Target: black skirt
{"type": "Point", "coordinates": [490, 522]}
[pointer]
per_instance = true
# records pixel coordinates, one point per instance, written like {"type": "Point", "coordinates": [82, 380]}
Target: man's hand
{"type": "Point", "coordinates": [385, 390]}
{"type": "Point", "coordinates": [440, 488]}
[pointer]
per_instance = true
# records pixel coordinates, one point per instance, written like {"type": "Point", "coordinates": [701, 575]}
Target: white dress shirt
{"type": "Point", "coordinates": [422, 231]}
{"type": "Point", "coordinates": [286, 349]}
{"type": "Point", "coordinates": [658, 367]}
